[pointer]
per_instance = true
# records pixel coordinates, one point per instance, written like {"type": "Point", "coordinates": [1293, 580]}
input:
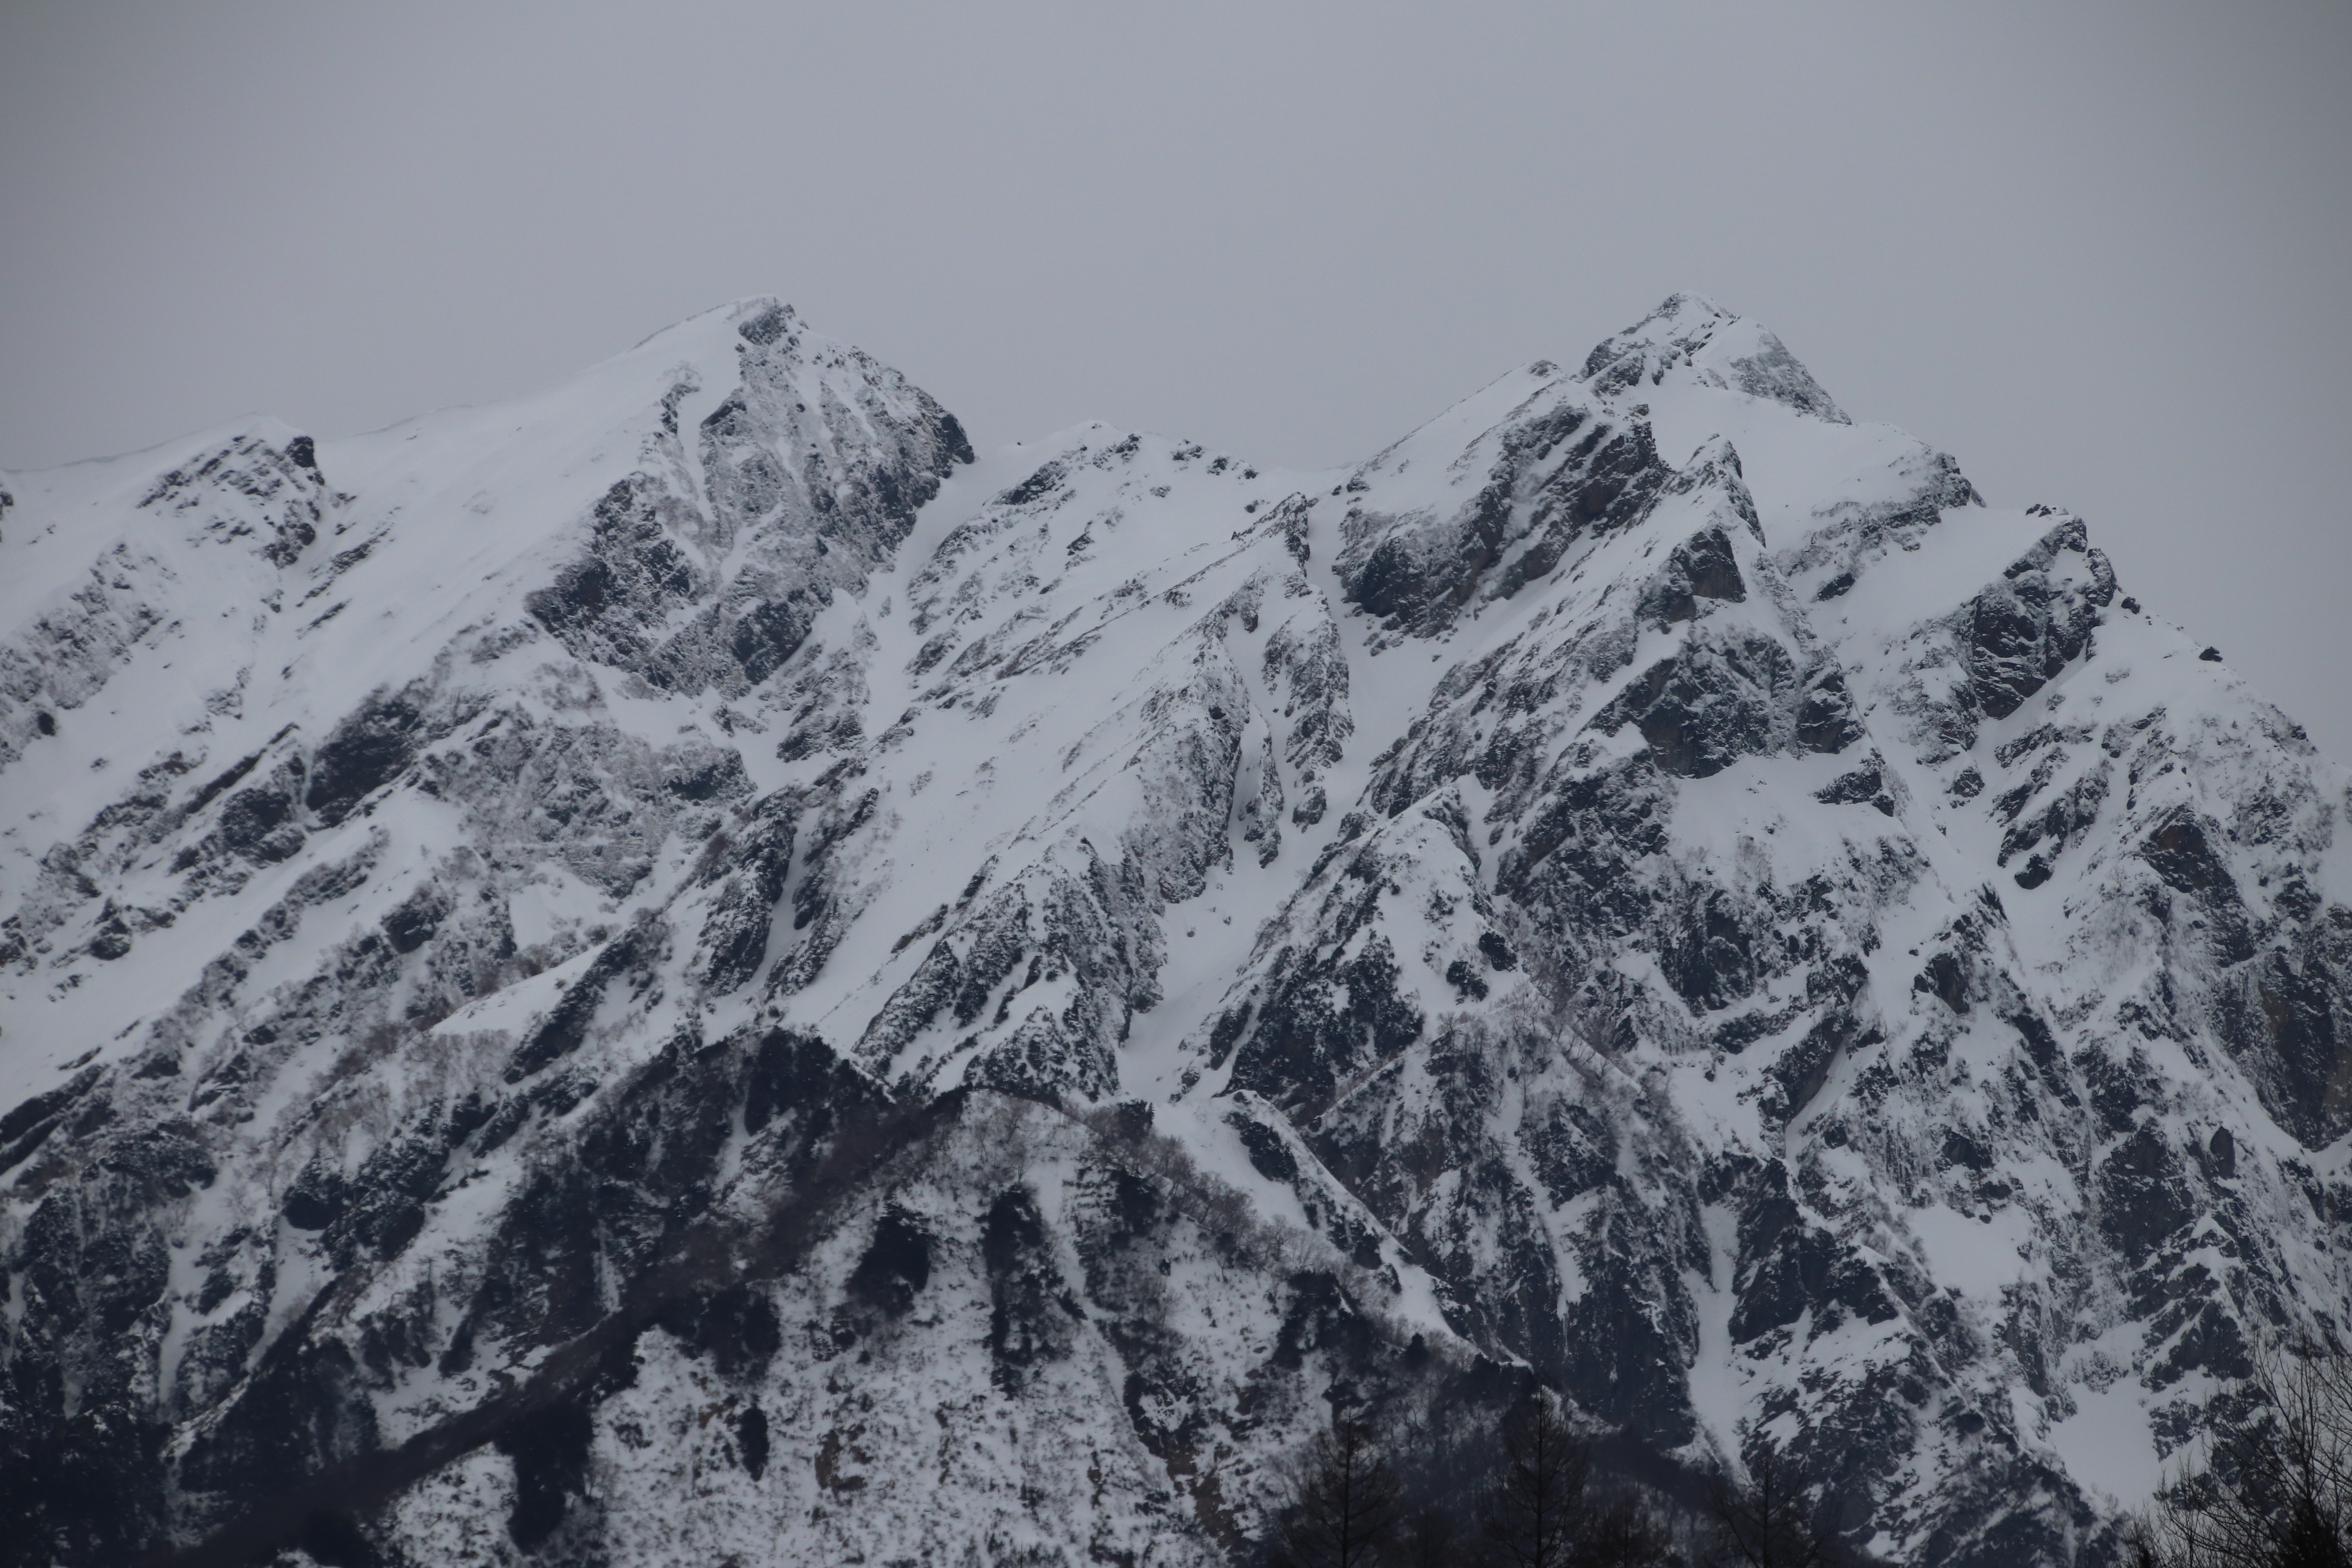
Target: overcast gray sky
{"type": "Point", "coordinates": [2099, 251]}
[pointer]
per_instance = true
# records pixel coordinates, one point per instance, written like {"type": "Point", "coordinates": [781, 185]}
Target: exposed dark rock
{"type": "Point", "coordinates": [1269, 1154]}
{"type": "Point", "coordinates": [896, 1266]}
{"type": "Point", "coordinates": [1305, 1036]}
{"type": "Point", "coordinates": [1032, 1313]}
{"type": "Point", "coordinates": [1557, 474]}
{"type": "Point", "coordinates": [1715, 703]}
{"type": "Point", "coordinates": [565, 1025]}
{"type": "Point", "coordinates": [412, 924]}
{"type": "Point", "coordinates": [737, 1327]}
{"type": "Point", "coordinates": [367, 750]}
{"type": "Point", "coordinates": [2143, 1199]}
{"type": "Point", "coordinates": [550, 1450]}
{"type": "Point", "coordinates": [2025, 629]}
{"type": "Point", "coordinates": [1701, 567]}
{"type": "Point", "coordinates": [751, 1437]}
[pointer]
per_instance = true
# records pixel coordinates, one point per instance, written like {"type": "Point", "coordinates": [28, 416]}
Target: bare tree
{"type": "Point", "coordinates": [1621, 1533]}
{"type": "Point", "coordinates": [1432, 1537]}
{"type": "Point", "coordinates": [1344, 1499]}
{"type": "Point", "coordinates": [2276, 1488]}
{"type": "Point", "coordinates": [1535, 1511]}
{"type": "Point", "coordinates": [1768, 1521]}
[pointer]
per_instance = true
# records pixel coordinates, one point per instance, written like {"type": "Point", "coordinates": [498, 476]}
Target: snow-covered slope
{"type": "Point", "coordinates": [687, 968]}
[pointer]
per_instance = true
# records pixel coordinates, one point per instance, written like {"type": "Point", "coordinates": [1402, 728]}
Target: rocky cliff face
{"type": "Point", "coordinates": [687, 968]}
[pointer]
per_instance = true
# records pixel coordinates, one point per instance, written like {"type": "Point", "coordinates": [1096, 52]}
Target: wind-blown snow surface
{"type": "Point", "coordinates": [557, 958]}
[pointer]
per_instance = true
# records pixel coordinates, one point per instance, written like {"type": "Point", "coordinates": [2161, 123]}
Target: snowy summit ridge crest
{"type": "Point", "coordinates": [689, 967]}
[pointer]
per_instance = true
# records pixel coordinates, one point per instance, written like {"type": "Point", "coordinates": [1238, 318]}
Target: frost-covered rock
{"type": "Point", "coordinates": [689, 969]}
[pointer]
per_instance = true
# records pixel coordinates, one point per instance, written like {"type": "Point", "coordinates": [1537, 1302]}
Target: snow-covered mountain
{"type": "Point", "coordinates": [686, 969]}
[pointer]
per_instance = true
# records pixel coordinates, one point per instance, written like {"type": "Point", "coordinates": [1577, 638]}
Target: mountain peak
{"type": "Point", "coordinates": [762, 319]}
{"type": "Point", "coordinates": [1708, 346]}
{"type": "Point", "coordinates": [1682, 306]}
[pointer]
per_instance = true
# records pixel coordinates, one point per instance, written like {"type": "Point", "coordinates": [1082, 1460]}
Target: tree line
{"type": "Point", "coordinates": [1358, 1499]}
{"type": "Point", "coordinates": [2270, 1486]}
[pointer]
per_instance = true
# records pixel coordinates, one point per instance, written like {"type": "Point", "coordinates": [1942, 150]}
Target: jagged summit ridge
{"type": "Point", "coordinates": [1693, 334]}
{"type": "Point", "coordinates": [1646, 881]}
